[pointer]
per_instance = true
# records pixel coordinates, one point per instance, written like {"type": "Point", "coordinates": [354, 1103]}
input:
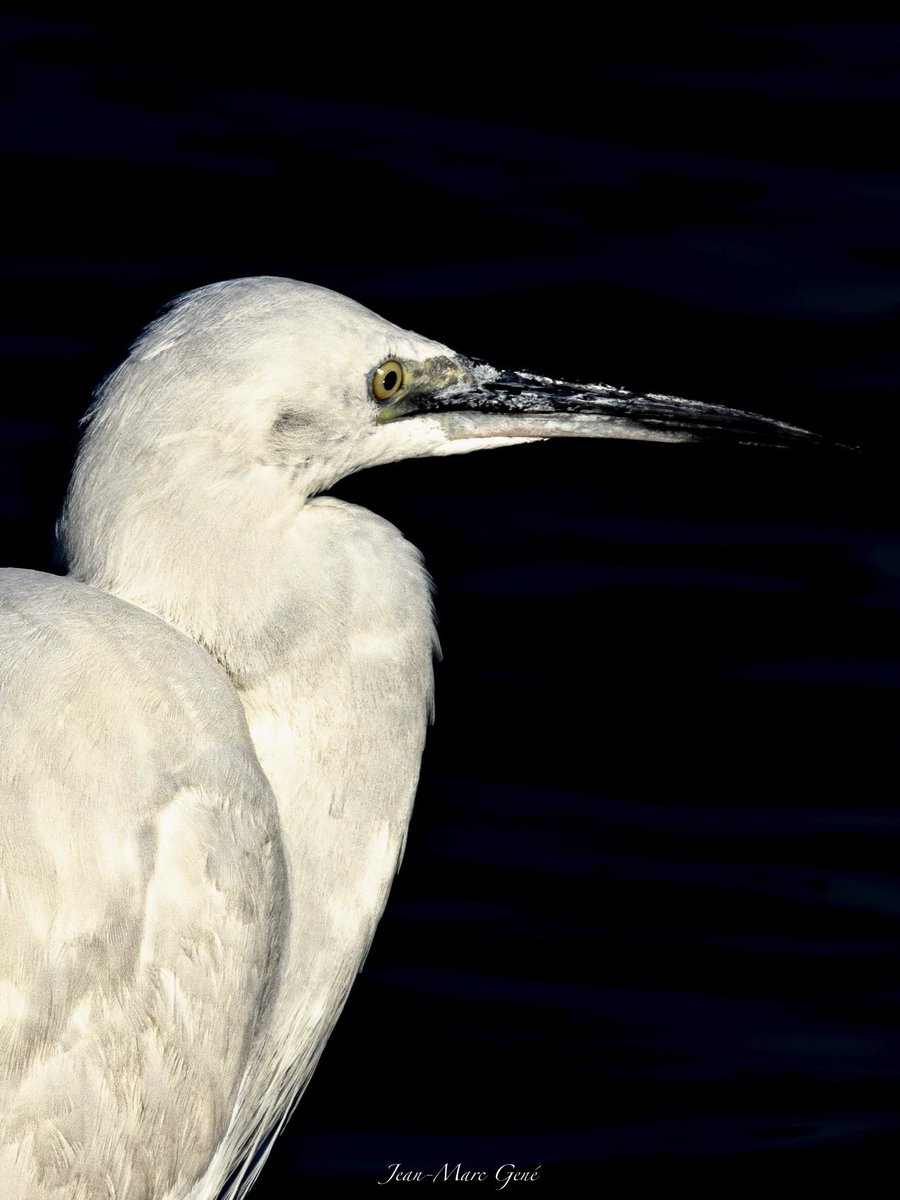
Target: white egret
{"type": "Point", "coordinates": [212, 727]}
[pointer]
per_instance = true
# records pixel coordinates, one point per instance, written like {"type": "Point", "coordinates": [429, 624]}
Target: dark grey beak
{"type": "Point", "coordinates": [487, 403]}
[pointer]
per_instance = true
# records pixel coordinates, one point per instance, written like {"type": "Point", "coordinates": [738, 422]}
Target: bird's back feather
{"type": "Point", "coordinates": [142, 897]}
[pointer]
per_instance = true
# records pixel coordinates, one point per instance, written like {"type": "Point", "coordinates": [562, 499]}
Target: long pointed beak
{"type": "Point", "coordinates": [483, 402]}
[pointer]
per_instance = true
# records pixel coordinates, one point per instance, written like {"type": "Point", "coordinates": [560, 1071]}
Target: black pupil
{"type": "Point", "coordinates": [389, 382]}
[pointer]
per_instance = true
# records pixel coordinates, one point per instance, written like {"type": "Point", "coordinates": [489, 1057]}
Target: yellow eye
{"type": "Point", "coordinates": [387, 380]}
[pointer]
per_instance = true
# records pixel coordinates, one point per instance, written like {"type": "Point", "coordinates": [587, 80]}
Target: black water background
{"type": "Point", "coordinates": [648, 925]}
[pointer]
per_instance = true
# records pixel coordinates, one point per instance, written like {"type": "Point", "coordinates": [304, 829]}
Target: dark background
{"type": "Point", "coordinates": [648, 926]}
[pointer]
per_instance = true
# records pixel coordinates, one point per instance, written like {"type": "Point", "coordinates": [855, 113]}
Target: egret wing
{"type": "Point", "coordinates": [142, 897]}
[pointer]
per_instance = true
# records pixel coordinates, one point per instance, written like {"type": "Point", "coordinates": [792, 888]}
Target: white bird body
{"type": "Point", "coordinates": [320, 721]}
{"type": "Point", "coordinates": [212, 729]}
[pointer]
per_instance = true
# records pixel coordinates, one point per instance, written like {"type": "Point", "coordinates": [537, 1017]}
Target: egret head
{"type": "Point", "coordinates": [246, 398]}
{"type": "Point", "coordinates": [268, 372]}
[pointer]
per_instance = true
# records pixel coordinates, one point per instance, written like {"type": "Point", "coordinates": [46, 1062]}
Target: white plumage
{"type": "Point", "coordinates": [212, 728]}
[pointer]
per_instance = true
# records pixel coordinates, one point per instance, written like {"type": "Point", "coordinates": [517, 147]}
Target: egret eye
{"type": "Point", "coordinates": [387, 380]}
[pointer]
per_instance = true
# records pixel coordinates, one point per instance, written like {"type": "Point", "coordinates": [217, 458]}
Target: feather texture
{"type": "Point", "coordinates": [143, 901]}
